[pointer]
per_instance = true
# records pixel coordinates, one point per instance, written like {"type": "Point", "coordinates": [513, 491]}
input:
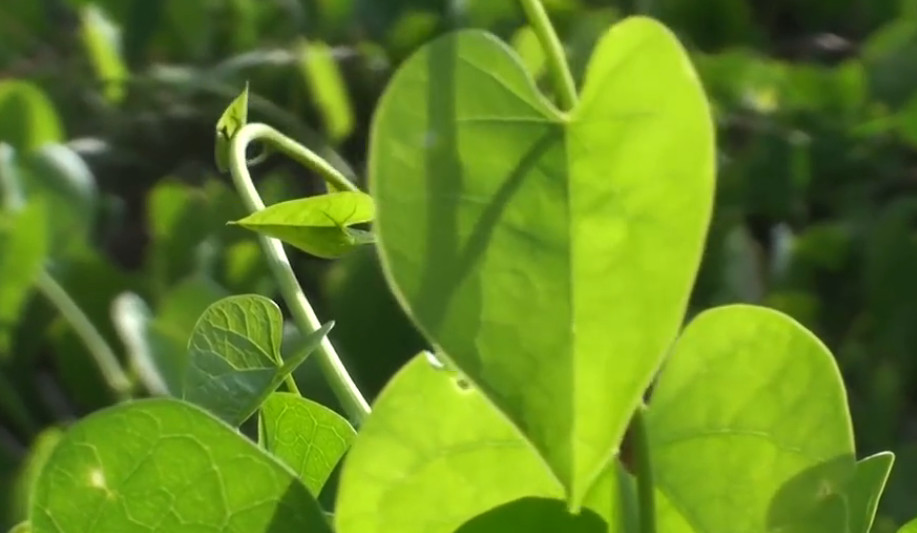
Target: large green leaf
{"type": "Point", "coordinates": [749, 431]}
{"type": "Point", "coordinates": [435, 454]}
{"type": "Point", "coordinates": [162, 465]}
{"type": "Point", "coordinates": [550, 255]}
{"type": "Point", "coordinates": [234, 359]}
{"type": "Point", "coordinates": [317, 224]}
{"type": "Point", "coordinates": [305, 435]}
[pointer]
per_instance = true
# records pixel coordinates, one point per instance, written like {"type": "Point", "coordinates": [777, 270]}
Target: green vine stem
{"type": "Point", "coordinates": [103, 355]}
{"type": "Point", "coordinates": [554, 52]}
{"type": "Point", "coordinates": [645, 489]}
{"type": "Point", "coordinates": [304, 316]}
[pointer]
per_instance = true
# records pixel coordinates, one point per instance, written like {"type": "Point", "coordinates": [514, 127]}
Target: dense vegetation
{"type": "Point", "coordinates": [107, 111]}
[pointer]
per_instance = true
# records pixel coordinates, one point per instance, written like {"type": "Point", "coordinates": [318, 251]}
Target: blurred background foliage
{"type": "Point", "coordinates": [113, 209]}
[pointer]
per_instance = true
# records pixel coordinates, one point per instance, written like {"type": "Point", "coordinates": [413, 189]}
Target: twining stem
{"type": "Point", "coordinates": [104, 357]}
{"type": "Point", "coordinates": [303, 315]}
{"type": "Point", "coordinates": [554, 52]}
{"type": "Point", "coordinates": [644, 466]}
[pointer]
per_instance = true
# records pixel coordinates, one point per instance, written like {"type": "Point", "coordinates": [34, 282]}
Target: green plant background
{"type": "Point", "coordinates": [107, 111]}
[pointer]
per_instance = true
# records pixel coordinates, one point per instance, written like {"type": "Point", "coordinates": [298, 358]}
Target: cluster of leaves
{"type": "Point", "coordinates": [813, 216]}
{"type": "Point", "coordinates": [550, 259]}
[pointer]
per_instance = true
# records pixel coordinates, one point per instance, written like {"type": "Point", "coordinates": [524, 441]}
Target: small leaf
{"type": "Point", "coordinates": [326, 85]}
{"type": "Point", "coordinates": [23, 247]}
{"type": "Point", "coordinates": [318, 224]}
{"type": "Point", "coordinates": [910, 527]}
{"type": "Point", "coordinates": [158, 372]}
{"type": "Point", "coordinates": [29, 118]}
{"type": "Point", "coordinates": [102, 41]}
{"type": "Point", "coordinates": [163, 465]}
{"type": "Point", "coordinates": [234, 117]}
{"type": "Point", "coordinates": [307, 436]}
{"type": "Point", "coordinates": [234, 359]}
{"type": "Point", "coordinates": [22, 527]}
{"type": "Point", "coordinates": [866, 490]}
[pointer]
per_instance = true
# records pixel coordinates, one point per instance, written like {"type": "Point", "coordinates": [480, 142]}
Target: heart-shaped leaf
{"type": "Point", "coordinates": [435, 454]}
{"type": "Point", "coordinates": [234, 359]}
{"type": "Point", "coordinates": [305, 435]}
{"type": "Point", "coordinates": [164, 465]}
{"type": "Point", "coordinates": [550, 255]}
{"type": "Point", "coordinates": [317, 224]}
{"type": "Point", "coordinates": [749, 430]}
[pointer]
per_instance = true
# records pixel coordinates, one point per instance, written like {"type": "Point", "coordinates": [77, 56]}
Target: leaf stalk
{"type": "Point", "coordinates": [554, 52]}
{"type": "Point", "coordinates": [352, 400]}
{"type": "Point", "coordinates": [645, 489]}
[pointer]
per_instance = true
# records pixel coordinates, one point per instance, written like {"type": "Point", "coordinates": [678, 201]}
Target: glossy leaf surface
{"type": "Point", "coordinates": [749, 430]}
{"type": "Point", "coordinates": [307, 436]}
{"type": "Point", "coordinates": [317, 224]}
{"type": "Point", "coordinates": [163, 465]}
{"type": "Point", "coordinates": [549, 255]}
{"type": "Point", "coordinates": [234, 359]}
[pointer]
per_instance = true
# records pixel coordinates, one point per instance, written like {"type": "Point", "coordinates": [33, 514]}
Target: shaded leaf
{"type": "Point", "coordinates": [164, 465]}
{"type": "Point", "coordinates": [534, 515]}
{"type": "Point", "coordinates": [506, 226]}
{"type": "Point", "coordinates": [307, 436]}
{"type": "Point", "coordinates": [317, 224]}
{"type": "Point", "coordinates": [234, 359]}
